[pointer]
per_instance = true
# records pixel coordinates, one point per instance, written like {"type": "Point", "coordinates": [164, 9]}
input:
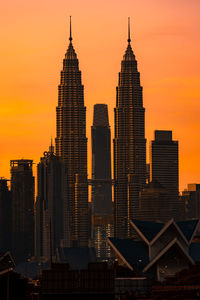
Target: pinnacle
{"type": "Point", "coordinates": [70, 54]}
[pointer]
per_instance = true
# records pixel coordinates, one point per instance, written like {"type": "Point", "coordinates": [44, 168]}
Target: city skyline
{"type": "Point", "coordinates": [24, 101]}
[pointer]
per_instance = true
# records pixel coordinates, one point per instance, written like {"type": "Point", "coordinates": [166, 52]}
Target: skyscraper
{"type": "Point", "coordinates": [22, 189]}
{"type": "Point", "coordinates": [71, 144]}
{"type": "Point", "coordinates": [51, 203]}
{"type": "Point", "coordinates": [101, 162]}
{"type": "Point", "coordinates": [154, 203]}
{"type": "Point", "coordinates": [102, 221]}
{"type": "Point", "coordinates": [129, 144]}
{"type": "Point", "coordinates": [5, 216]}
{"type": "Point", "coordinates": [164, 166]}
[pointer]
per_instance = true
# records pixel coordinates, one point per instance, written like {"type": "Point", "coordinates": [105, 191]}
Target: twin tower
{"type": "Point", "coordinates": [129, 145]}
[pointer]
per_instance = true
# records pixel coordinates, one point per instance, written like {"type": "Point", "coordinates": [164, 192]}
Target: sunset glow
{"type": "Point", "coordinates": [34, 38]}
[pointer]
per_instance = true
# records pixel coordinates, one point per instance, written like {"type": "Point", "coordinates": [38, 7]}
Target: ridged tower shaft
{"type": "Point", "coordinates": [71, 145]}
{"type": "Point", "coordinates": [129, 144]}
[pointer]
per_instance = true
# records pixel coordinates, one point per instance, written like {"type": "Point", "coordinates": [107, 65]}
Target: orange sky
{"type": "Point", "coordinates": [34, 37]}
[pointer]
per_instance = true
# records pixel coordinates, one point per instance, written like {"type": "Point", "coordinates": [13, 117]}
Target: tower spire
{"type": "Point", "coordinates": [70, 30]}
{"type": "Point", "coordinates": [129, 39]}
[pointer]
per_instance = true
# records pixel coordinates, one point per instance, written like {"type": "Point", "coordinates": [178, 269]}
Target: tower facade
{"type": "Point", "coordinates": [129, 144]}
{"type": "Point", "coordinates": [22, 189]}
{"type": "Point", "coordinates": [102, 220]}
{"type": "Point", "coordinates": [51, 203]}
{"type": "Point", "coordinates": [71, 145]}
{"type": "Point", "coordinates": [101, 162]}
{"type": "Point", "coordinates": [164, 166]}
{"type": "Point", "coordinates": [154, 203]}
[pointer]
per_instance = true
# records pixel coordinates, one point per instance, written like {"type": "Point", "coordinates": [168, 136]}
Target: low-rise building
{"type": "Point", "coordinates": [158, 250]}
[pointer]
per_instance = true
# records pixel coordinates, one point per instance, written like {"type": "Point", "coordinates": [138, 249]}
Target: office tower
{"type": "Point", "coordinates": [5, 216]}
{"type": "Point", "coordinates": [129, 144]}
{"type": "Point", "coordinates": [164, 166]}
{"type": "Point", "coordinates": [101, 162]}
{"type": "Point", "coordinates": [191, 198]}
{"type": "Point", "coordinates": [102, 221]}
{"type": "Point", "coordinates": [71, 144]}
{"type": "Point", "coordinates": [22, 189]}
{"type": "Point", "coordinates": [154, 203]}
{"type": "Point", "coordinates": [51, 203]}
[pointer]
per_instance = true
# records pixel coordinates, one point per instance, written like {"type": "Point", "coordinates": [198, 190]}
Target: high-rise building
{"type": "Point", "coordinates": [51, 203]}
{"type": "Point", "coordinates": [102, 221]}
{"type": "Point", "coordinates": [5, 216]}
{"type": "Point", "coordinates": [22, 189]}
{"type": "Point", "coordinates": [191, 199]}
{"type": "Point", "coordinates": [101, 162]}
{"type": "Point", "coordinates": [164, 166]}
{"type": "Point", "coordinates": [154, 203]}
{"type": "Point", "coordinates": [71, 144]}
{"type": "Point", "coordinates": [129, 144]}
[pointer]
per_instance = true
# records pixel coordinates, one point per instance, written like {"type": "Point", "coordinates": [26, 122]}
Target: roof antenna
{"type": "Point", "coordinates": [129, 40]}
{"type": "Point", "coordinates": [70, 32]}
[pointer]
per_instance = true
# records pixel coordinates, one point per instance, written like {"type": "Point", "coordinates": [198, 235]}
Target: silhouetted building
{"type": "Point", "coordinates": [71, 145]}
{"type": "Point", "coordinates": [101, 162]}
{"type": "Point", "coordinates": [51, 203]}
{"type": "Point", "coordinates": [94, 282]}
{"type": "Point", "coordinates": [12, 285]}
{"type": "Point", "coordinates": [158, 250]}
{"type": "Point", "coordinates": [5, 216]}
{"type": "Point", "coordinates": [191, 198]}
{"type": "Point", "coordinates": [184, 285]}
{"type": "Point", "coordinates": [154, 203]}
{"type": "Point", "coordinates": [129, 144]}
{"type": "Point", "coordinates": [164, 166]}
{"type": "Point", "coordinates": [22, 189]}
{"type": "Point", "coordinates": [102, 221]}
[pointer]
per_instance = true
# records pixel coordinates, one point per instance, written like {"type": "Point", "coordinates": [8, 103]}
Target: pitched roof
{"type": "Point", "coordinates": [188, 228]}
{"type": "Point", "coordinates": [165, 250]}
{"type": "Point", "coordinates": [148, 229]}
{"type": "Point", "coordinates": [194, 251]}
{"type": "Point", "coordinates": [135, 253]}
{"type": "Point", "coordinates": [6, 261]}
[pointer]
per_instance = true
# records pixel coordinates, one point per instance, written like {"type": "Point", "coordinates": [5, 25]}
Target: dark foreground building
{"type": "Point", "coordinates": [158, 250]}
{"type": "Point", "coordinates": [129, 144]}
{"type": "Point", "coordinates": [13, 286]}
{"type": "Point", "coordinates": [184, 285]}
{"type": "Point", "coordinates": [71, 145]}
{"type": "Point", "coordinates": [22, 189]}
{"type": "Point", "coordinates": [60, 282]}
{"type": "Point", "coordinates": [5, 216]}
